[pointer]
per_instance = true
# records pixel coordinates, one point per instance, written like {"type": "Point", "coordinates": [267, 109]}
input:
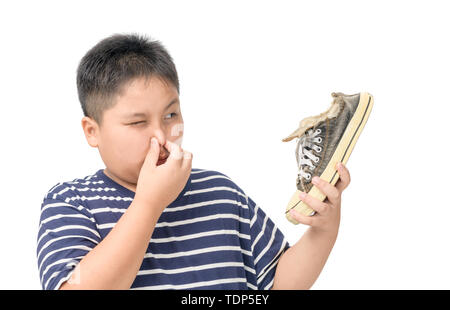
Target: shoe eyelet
{"type": "Point", "coordinates": [308, 177]}
{"type": "Point", "coordinates": [316, 160]}
{"type": "Point", "coordinates": [319, 149]}
{"type": "Point", "coordinates": [318, 131]}
{"type": "Point", "coordinates": [312, 168]}
{"type": "Point", "coordinates": [319, 140]}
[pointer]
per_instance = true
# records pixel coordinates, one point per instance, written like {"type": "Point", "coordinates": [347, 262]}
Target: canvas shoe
{"type": "Point", "coordinates": [323, 141]}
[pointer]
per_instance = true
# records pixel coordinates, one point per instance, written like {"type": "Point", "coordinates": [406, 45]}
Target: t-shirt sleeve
{"type": "Point", "coordinates": [268, 244]}
{"type": "Point", "coordinates": [67, 232]}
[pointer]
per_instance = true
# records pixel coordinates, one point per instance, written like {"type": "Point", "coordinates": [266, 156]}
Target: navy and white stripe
{"type": "Point", "coordinates": [213, 236]}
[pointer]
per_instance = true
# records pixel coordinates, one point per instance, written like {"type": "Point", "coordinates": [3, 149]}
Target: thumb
{"type": "Point", "coordinates": [153, 153]}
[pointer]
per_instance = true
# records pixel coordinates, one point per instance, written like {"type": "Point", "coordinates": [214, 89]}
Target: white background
{"type": "Point", "coordinates": [249, 72]}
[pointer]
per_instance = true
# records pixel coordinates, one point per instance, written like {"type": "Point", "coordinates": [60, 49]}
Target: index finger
{"type": "Point", "coordinates": [344, 177]}
{"type": "Point", "coordinates": [174, 149]}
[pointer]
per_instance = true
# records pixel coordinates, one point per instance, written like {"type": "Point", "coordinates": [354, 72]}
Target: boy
{"type": "Point", "coordinates": [149, 220]}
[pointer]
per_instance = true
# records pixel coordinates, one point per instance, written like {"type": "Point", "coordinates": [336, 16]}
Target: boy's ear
{"type": "Point", "coordinates": [91, 130]}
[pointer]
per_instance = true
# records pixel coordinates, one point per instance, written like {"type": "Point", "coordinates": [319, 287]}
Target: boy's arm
{"type": "Point", "coordinates": [301, 264]}
{"type": "Point", "coordinates": [115, 261]}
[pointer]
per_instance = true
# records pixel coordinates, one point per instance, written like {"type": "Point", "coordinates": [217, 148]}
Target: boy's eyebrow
{"type": "Point", "coordinates": [140, 114]}
{"type": "Point", "coordinates": [174, 101]}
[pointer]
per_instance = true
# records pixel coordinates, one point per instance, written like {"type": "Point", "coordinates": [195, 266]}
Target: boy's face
{"type": "Point", "coordinates": [146, 108]}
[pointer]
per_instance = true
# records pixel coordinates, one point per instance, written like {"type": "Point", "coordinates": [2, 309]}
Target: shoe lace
{"type": "Point", "coordinates": [303, 153]}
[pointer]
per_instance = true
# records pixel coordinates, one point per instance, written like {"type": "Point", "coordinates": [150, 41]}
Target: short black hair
{"type": "Point", "coordinates": [113, 62]}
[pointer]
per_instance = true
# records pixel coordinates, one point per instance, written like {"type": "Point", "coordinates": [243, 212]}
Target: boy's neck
{"type": "Point", "coordinates": [130, 186]}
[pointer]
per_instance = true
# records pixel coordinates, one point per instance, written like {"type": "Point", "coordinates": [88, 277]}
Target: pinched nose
{"type": "Point", "coordinates": [161, 138]}
{"type": "Point", "coordinates": [163, 153]}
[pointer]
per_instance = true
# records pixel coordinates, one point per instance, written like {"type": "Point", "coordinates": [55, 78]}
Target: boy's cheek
{"type": "Point", "coordinates": [176, 134]}
{"type": "Point", "coordinates": [178, 141]}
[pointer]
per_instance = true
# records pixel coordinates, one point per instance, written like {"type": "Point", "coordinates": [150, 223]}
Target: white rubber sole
{"type": "Point", "coordinates": [341, 154]}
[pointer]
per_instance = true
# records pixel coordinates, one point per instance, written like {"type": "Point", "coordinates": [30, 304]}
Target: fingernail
{"type": "Point", "coordinates": [302, 195]}
{"type": "Point", "coordinates": [339, 166]}
{"type": "Point", "coordinates": [315, 180]}
{"type": "Point", "coordinates": [154, 141]}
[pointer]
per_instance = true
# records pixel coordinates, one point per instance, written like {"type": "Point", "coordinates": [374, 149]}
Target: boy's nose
{"type": "Point", "coordinates": [163, 152]}
{"type": "Point", "coordinates": [160, 136]}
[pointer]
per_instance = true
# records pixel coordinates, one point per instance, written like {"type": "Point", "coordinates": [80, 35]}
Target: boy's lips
{"type": "Point", "coordinates": [161, 161]}
{"type": "Point", "coordinates": [163, 156]}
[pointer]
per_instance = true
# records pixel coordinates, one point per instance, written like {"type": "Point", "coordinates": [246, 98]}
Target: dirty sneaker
{"type": "Point", "coordinates": [323, 141]}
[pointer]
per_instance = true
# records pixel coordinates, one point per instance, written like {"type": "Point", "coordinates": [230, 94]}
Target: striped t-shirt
{"type": "Point", "coordinates": [212, 236]}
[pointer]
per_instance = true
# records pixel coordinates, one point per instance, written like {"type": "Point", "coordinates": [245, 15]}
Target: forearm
{"type": "Point", "coordinates": [115, 261]}
{"type": "Point", "coordinates": [301, 264]}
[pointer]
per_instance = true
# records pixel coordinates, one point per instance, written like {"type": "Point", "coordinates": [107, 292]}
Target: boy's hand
{"type": "Point", "coordinates": [328, 212]}
{"type": "Point", "coordinates": [161, 184]}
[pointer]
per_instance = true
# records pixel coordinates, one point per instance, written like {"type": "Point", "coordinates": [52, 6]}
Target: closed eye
{"type": "Point", "coordinates": [136, 123]}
